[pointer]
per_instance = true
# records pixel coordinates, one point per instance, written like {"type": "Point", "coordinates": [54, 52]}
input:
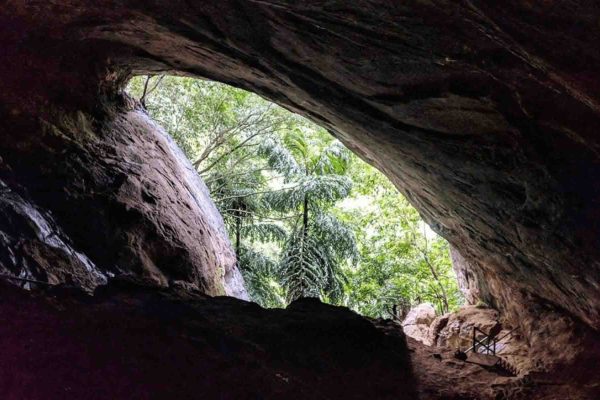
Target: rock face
{"type": "Point", "coordinates": [417, 321]}
{"type": "Point", "coordinates": [129, 200]}
{"type": "Point", "coordinates": [33, 247]}
{"type": "Point", "coordinates": [485, 114]}
{"type": "Point", "coordinates": [467, 277]}
{"type": "Point", "coordinates": [455, 331]}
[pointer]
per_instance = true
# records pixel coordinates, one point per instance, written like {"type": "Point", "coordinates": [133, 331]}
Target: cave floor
{"type": "Point", "coordinates": [128, 342]}
{"type": "Point", "coordinates": [442, 376]}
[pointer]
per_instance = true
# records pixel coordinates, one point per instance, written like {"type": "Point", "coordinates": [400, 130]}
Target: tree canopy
{"type": "Point", "coordinates": [306, 216]}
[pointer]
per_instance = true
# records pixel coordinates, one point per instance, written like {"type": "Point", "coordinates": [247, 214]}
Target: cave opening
{"type": "Point", "coordinates": [484, 114]}
{"type": "Point", "coordinates": [306, 217]}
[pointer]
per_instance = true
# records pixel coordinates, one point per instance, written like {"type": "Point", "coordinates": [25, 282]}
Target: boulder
{"type": "Point", "coordinates": [455, 330]}
{"type": "Point", "coordinates": [417, 321]}
{"type": "Point", "coordinates": [126, 197]}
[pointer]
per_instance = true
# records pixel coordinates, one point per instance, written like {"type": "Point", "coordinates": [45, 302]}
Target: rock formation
{"type": "Point", "coordinates": [455, 331]}
{"type": "Point", "coordinates": [125, 196]}
{"type": "Point", "coordinates": [136, 343]}
{"type": "Point", "coordinates": [468, 278]}
{"type": "Point", "coordinates": [485, 115]}
{"type": "Point", "coordinates": [417, 322]}
{"type": "Point", "coordinates": [33, 248]}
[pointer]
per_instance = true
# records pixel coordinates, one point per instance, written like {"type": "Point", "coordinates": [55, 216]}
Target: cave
{"type": "Point", "coordinates": [483, 114]}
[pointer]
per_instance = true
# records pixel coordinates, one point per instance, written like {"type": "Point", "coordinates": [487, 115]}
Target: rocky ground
{"type": "Point", "coordinates": [135, 343]}
{"type": "Point", "coordinates": [131, 342]}
{"type": "Point", "coordinates": [533, 374]}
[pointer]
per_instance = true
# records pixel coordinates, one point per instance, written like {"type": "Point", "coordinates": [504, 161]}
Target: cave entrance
{"type": "Point", "coordinates": [305, 215]}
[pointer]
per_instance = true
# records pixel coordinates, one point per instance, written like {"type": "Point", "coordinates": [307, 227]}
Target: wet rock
{"type": "Point", "coordinates": [33, 248]}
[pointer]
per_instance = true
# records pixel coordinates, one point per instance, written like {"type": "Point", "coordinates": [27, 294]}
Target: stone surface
{"type": "Point", "coordinates": [34, 248]}
{"type": "Point", "coordinates": [137, 343]}
{"type": "Point", "coordinates": [128, 198]}
{"type": "Point", "coordinates": [417, 321]}
{"type": "Point", "coordinates": [467, 277]}
{"type": "Point", "coordinates": [454, 331]}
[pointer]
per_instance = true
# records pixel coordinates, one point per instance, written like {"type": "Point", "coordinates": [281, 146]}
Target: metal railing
{"type": "Point", "coordinates": [486, 342]}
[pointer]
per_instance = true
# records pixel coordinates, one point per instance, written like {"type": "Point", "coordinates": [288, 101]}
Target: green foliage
{"type": "Point", "coordinates": [482, 304]}
{"type": "Point", "coordinates": [312, 257]}
{"type": "Point", "coordinates": [306, 217]}
{"type": "Point", "coordinates": [260, 273]}
{"type": "Point", "coordinates": [264, 232]}
{"type": "Point", "coordinates": [402, 260]}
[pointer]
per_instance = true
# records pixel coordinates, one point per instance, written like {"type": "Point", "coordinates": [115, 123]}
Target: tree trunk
{"type": "Point", "coordinates": [436, 277]}
{"type": "Point", "coordinates": [304, 237]}
{"type": "Point", "coordinates": [238, 234]}
{"type": "Point", "coordinates": [305, 217]}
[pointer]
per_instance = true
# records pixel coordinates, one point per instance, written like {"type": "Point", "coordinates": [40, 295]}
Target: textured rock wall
{"type": "Point", "coordinates": [455, 331]}
{"type": "Point", "coordinates": [485, 114]}
{"type": "Point", "coordinates": [467, 278]}
{"type": "Point", "coordinates": [125, 195]}
{"type": "Point", "coordinates": [33, 247]}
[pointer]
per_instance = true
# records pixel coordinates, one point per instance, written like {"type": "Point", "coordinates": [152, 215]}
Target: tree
{"type": "Point", "coordinates": [217, 126]}
{"type": "Point", "coordinates": [285, 189]}
{"type": "Point", "coordinates": [312, 257]}
{"type": "Point", "coordinates": [402, 261]}
{"type": "Point", "coordinates": [260, 274]}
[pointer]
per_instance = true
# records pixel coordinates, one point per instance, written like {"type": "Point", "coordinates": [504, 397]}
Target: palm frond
{"type": "Point", "coordinates": [295, 141]}
{"type": "Point", "coordinates": [264, 232]}
{"type": "Point", "coordinates": [334, 159]}
{"type": "Point", "coordinates": [327, 188]}
{"type": "Point", "coordinates": [323, 189]}
{"type": "Point", "coordinates": [309, 269]}
{"type": "Point", "coordinates": [260, 276]}
{"type": "Point", "coordinates": [278, 157]}
{"type": "Point", "coordinates": [336, 235]}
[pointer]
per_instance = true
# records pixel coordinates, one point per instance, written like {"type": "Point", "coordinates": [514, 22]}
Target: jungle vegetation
{"type": "Point", "coordinates": [305, 215]}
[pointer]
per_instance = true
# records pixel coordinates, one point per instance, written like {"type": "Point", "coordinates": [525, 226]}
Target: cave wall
{"type": "Point", "coordinates": [468, 279]}
{"type": "Point", "coordinates": [34, 248]}
{"type": "Point", "coordinates": [113, 193]}
{"type": "Point", "coordinates": [484, 114]}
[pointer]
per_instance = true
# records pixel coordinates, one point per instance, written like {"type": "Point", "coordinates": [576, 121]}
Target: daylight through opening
{"type": "Point", "coordinates": [306, 217]}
